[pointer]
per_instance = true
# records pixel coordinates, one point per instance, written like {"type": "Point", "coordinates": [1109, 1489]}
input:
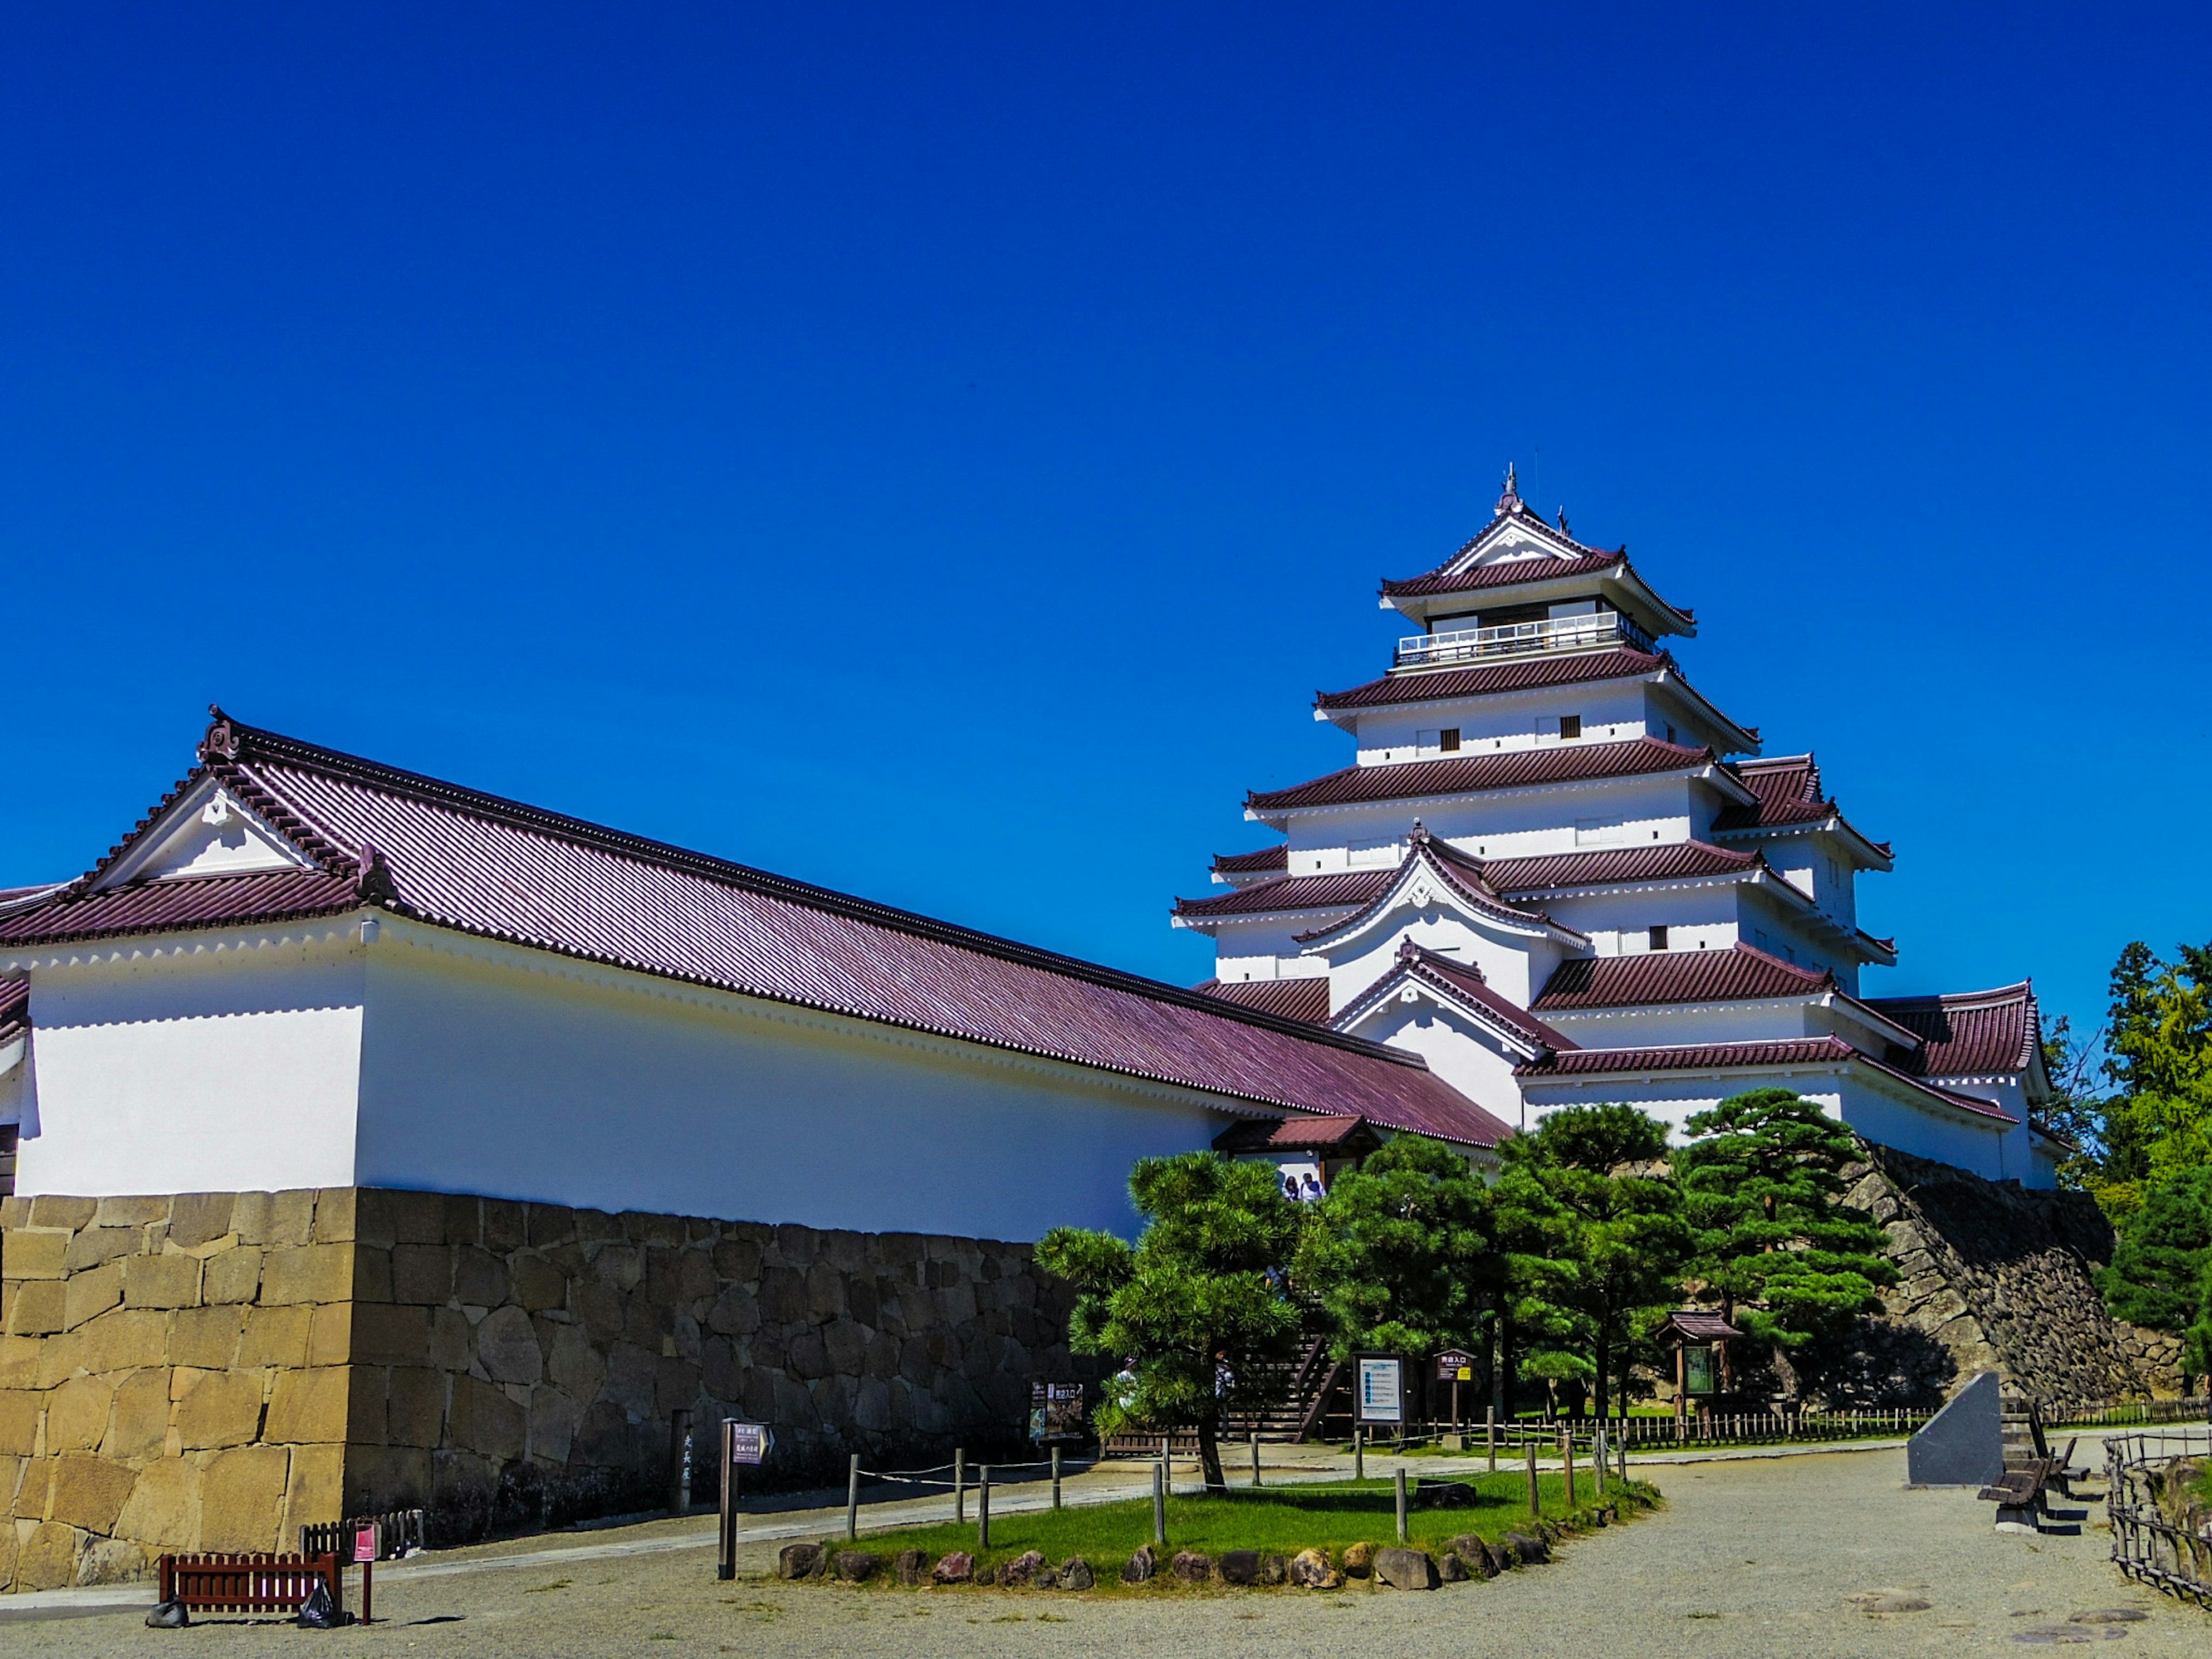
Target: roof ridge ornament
{"type": "Point", "coordinates": [374, 882]}
{"type": "Point", "coordinates": [1511, 500]}
{"type": "Point", "coordinates": [221, 740]}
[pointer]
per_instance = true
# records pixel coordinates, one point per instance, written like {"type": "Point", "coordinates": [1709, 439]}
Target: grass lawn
{"type": "Point", "coordinates": [1287, 1518]}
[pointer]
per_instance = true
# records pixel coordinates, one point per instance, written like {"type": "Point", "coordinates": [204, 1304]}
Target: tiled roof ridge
{"type": "Point", "coordinates": [1621, 662]}
{"type": "Point", "coordinates": [252, 743]}
{"type": "Point", "coordinates": [1469, 980]}
{"type": "Point", "coordinates": [1277, 857]}
{"type": "Point", "coordinates": [1253, 899]}
{"type": "Point", "coordinates": [2021, 995]}
{"type": "Point", "coordinates": [1655, 978]}
{"type": "Point", "coordinates": [1733, 862]}
{"type": "Point", "coordinates": [1458, 869]}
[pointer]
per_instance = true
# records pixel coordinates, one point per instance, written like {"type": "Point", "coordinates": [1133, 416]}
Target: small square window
{"type": "Point", "coordinates": [1571, 725]}
{"type": "Point", "coordinates": [1658, 939]}
{"type": "Point", "coordinates": [1447, 739]}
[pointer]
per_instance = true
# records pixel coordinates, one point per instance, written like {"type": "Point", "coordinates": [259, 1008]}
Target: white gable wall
{"type": "Point", "coordinates": [1458, 1050]}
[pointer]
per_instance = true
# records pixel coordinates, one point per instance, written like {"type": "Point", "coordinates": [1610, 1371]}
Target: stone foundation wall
{"type": "Point", "coordinates": [214, 1370]}
{"type": "Point", "coordinates": [1992, 1278]}
{"type": "Point", "coordinates": [172, 1376]}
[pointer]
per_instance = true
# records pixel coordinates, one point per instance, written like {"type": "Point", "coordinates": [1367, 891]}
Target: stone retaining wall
{"type": "Point", "coordinates": [213, 1370]}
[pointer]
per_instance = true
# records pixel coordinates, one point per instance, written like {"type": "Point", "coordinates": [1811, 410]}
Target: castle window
{"type": "Point", "coordinates": [1447, 739]}
{"type": "Point", "coordinates": [8, 1134]}
{"type": "Point", "coordinates": [1658, 939]}
{"type": "Point", "coordinates": [1571, 725]}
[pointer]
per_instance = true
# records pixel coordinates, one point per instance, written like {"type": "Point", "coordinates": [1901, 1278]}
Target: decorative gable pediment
{"type": "Point", "coordinates": [1427, 881]}
{"type": "Point", "coordinates": [209, 832]}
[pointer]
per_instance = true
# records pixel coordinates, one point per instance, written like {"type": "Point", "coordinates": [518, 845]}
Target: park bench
{"type": "Point", "coordinates": [249, 1584]}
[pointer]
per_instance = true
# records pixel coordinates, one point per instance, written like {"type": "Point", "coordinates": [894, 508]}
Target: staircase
{"type": "Point", "coordinates": [1307, 1392]}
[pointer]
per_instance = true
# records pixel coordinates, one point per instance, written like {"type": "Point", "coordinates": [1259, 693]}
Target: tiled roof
{"type": "Point", "coordinates": [15, 1008]}
{"type": "Point", "coordinates": [1457, 870]}
{"type": "Point", "coordinates": [1240, 864]}
{"type": "Point", "coordinates": [1287, 999]}
{"type": "Point", "coordinates": [1524, 674]}
{"type": "Point", "coordinates": [1970, 1033]}
{"type": "Point", "coordinates": [455, 858]}
{"type": "Point", "coordinates": [1787, 788]}
{"type": "Point", "coordinates": [1339, 889]}
{"type": "Point", "coordinates": [1744, 1056]}
{"type": "Point", "coordinates": [1510, 769]}
{"type": "Point", "coordinates": [1662, 976]}
{"type": "Point", "coordinates": [1466, 982]}
{"type": "Point", "coordinates": [1679, 860]}
{"type": "Point", "coordinates": [1509, 573]}
{"type": "Point", "coordinates": [1346, 1135]}
{"type": "Point", "coordinates": [1700, 1326]}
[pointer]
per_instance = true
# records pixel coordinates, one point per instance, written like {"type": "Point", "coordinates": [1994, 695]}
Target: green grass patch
{"type": "Point", "coordinates": [1285, 1519]}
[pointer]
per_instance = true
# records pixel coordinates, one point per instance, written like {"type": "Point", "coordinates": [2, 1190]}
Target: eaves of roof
{"type": "Point", "coordinates": [14, 1009]}
{"type": "Point", "coordinates": [1741, 972]}
{"type": "Point", "coordinates": [1305, 999]}
{"type": "Point", "coordinates": [1569, 762]}
{"type": "Point", "coordinates": [1458, 982]}
{"type": "Point", "coordinates": [1752, 1056]}
{"type": "Point", "coordinates": [1461, 874]}
{"type": "Point", "coordinates": [1339, 889]}
{"type": "Point", "coordinates": [1972, 1033]}
{"type": "Point", "coordinates": [1679, 860]}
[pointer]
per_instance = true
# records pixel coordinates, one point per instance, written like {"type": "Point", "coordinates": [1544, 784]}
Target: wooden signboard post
{"type": "Point", "coordinates": [745, 1445]}
{"type": "Point", "coordinates": [1454, 1366]}
{"type": "Point", "coordinates": [364, 1551]}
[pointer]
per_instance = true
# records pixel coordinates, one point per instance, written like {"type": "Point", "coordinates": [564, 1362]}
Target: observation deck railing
{"type": "Point", "coordinates": [1584, 633]}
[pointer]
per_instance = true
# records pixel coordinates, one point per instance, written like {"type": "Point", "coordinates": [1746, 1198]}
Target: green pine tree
{"type": "Point", "coordinates": [1195, 1310]}
{"type": "Point", "coordinates": [1778, 1247]}
{"type": "Point", "coordinates": [2158, 1272]}
{"type": "Point", "coordinates": [1399, 1253]}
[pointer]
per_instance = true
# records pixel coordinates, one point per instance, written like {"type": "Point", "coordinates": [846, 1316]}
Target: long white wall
{"type": "Point", "coordinates": [513, 1074]}
{"type": "Point", "coordinates": [210, 1064]}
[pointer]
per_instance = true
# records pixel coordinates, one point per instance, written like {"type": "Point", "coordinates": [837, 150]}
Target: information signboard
{"type": "Point", "coordinates": [750, 1443]}
{"type": "Point", "coordinates": [1379, 1389]}
{"type": "Point", "coordinates": [1455, 1365]}
{"type": "Point", "coordinates": [1056, 1412]}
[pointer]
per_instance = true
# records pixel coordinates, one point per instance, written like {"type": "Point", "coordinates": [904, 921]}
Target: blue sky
{"type": "Point", "coordinates": [939, 451]}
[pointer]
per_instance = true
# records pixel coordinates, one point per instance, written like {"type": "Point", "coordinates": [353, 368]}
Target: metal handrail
{"type": "Point", "coordinates": [1515, 638]}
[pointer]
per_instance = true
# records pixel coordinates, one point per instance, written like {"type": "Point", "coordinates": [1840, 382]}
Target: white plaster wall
{"type": "Point", "coordinates": [1672, 1097]}
{"type": "Point", "coordinates": [208, 1066]}
{"type": "Point", "coordinates": [15, 1068]}
{"type": "Point", "coordinates": [1512, 963]}
{"type": "Point", "coordinates": [1458, 1051]}
{"type": "Point", "coordinates": [1496, 725]}
{"type": "Point", "coordinates": [605, 1091]}
{"type": "Point", "coordinates": [1670, 1025]}
{"type": "Point", "coordinates": [1510, 824]}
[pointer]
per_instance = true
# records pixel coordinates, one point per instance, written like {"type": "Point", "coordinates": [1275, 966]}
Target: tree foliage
{"type": "Point", "coordinates": [1594, 1235]}
{"type": "Point", "coordinates": [1195, 1310]}
{"type": "Point", "coordinates": [2159, 1055]}
{"type": "Point", "coordinates": [2157, 1277]}
{"type": "Point", "coordinates": [1776, 1247]}
{"type": "Point", "coordinates": [1398, 1253]}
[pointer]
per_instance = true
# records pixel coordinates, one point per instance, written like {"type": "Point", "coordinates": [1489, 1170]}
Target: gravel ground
{"type": "Point", "coordinates": [1758, 1556]}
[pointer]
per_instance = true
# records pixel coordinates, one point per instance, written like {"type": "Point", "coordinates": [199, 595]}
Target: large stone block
{"type": "Point", "coordinates": [55, 1211]}
{"type": "Point", "coordinates": [308, 1406]}
{"type": "Point", "coordinates": [372, 1273]}
{"type": "Point", "coordinates": [422, 1274]}
{"type": "Point", "coordinates": [207, 1338]}
{"type": "Point", "coordinates": [413, 1402]}
{"type": "Point", "coordinates": [8, 1527]}
{"type": "Point", "coordinates": [232, 1276]}
{"type": "Point", "coordinates": [573, 1364]}
{"type": "Point", "coordinates": [89, 1493]}
{"type": "Point", "coordinates": [291, 1218]}
{"type": "Point", "coordinates": [309, 1272]}
{"type": "Point", "coordinates": [223, 1408]}
{"type": "Point", "coordinates": [276, 1336]}
{"type": "Point", "coordinates": [47, 1559]}
{"type": "Point", "coordinates": [330, 1333]}
{"type": "Point", "coordinates": [139, 1425]}
{"type": "Point", "coordinates": [77, 1414]}
{"type": "Point", "coordinates": [141, 1212]}
{"type": "Point", "coordinates": [337, 1215]}
{"type": "Point", "coordinates": [479, 1278]}
{"type": "Point", "coordinates": [554, 1417]}
{"type": "Point", "coordinates": [453, 1342]}
{"type": "Point", "coordinates": [160, 1281]}
{"type": "Point", "coordinates": [508, 1347]}
{"type": "Point", "coordinates": [19, 1422]}
{"type": "Point", "coordinates": [539, 1285]}
{"type": "Point", "coordinates": [483, 1420]}
{"type": "Point", "coordinates": [505, 1226]}
{"type": "Point", "coordinates": [383, 1334]}
{"type": "Point", "coordinates": [242, 1499]}
{"type": "Point", "coordinates": [37, 1253]}
{"type": "Point", "coordinates": [90, 1246]}
{"type": "Point", "coordinates": [197, 1218]}
{"type": "Point", "coordinates": [124, 1340]}
{"type": "Point", "coordinates": [315, 1492]}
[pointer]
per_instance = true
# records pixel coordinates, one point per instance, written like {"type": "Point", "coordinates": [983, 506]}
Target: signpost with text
{"type": "Point", "coordinates": [744, 1445]}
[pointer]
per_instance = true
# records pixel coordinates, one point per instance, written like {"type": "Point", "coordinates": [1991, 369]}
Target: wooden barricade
{"type": "Point", "coordinates": [249, 1584]}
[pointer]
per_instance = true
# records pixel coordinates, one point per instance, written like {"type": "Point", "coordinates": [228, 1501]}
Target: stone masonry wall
{"type": "Point", "coordinates": [1992, 1278]}
{"type": "Point", "coordinates": [172, 1375]}
{"type": "Point", "coordinates": [516, 1364]}
{"type": "Point", "coordinates": [213, 1370]}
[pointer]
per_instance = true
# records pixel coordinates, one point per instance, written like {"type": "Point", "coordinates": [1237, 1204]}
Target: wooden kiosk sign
{"type": "Point", "coordinates": [1454, 1366]}
{"type": "Point", "coordinates": [745, 1445]}
{"type": "Point", "coordinates": [1701, 1366]}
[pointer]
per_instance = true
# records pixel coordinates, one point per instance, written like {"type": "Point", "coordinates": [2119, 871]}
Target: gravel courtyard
{"type": "Point", "coordinates": [1756, 1558]}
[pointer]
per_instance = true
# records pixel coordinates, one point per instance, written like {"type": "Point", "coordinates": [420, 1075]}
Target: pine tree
{"type": "Point", "coordinates": [1398, 1253]}
{"type": "Point", "coordinates": [1776, 1247]}
{"type": "Point", "coordinates": [1196, 1311]}
{"type": "Point", "coordinates": [2157, 1274]}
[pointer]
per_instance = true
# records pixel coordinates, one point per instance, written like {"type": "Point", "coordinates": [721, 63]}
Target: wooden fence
{"type": "Point", "coordinates": [2161, 1524]}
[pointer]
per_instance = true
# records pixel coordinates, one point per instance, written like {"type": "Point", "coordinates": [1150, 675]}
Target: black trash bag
{"type": "Point", "coordinates": [168, 1616]}
{"type": "Point", "coordinates": [319, 1612]}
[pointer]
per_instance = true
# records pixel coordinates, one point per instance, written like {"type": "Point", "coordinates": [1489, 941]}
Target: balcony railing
{"type": "Point", "coordinates": [1583, 633]}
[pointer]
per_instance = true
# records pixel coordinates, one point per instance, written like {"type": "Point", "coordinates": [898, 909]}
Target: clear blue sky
{"type": "Point", "coordinates": [939, 450]}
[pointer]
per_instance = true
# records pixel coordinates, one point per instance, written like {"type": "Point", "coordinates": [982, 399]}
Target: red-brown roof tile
{"type": "Point", "coordinates": [1255, 863]}
{"type": "Point", "coordinates": [1662, 976]}
{"type": "Point", "coordinates": [456, 858]}
{"type": "Point", "coordinates": [1337, 890]}
{"type": "Point", "coordinates": [14, 1009]}
{"type": "Point", "coordinates": [1465, 775]}
{"type": "Point", "coordinates": [169, 906]}
{"type": "Point", "coordinates": [1510, 573]}
{"type": "Point", "coordinates": [1342, 1136]}
{"type": "Point", "coordinates": [1970, 1033]}
{"type": "Point", "coordinates": [1524, 674]}
{"type": "Point", "coordinates": [1679, 860]}
{"type": "Point", "coordinates": [1463, 981]}
{"type": "Point", "coordinates": [1458, 870]}
{"type": "Point", "coordinates": [1744, 1056]}
{"type": "Point", "coordinates": [1303, 999]}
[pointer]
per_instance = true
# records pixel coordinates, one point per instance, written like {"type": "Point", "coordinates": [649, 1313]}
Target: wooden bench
{"type": "Point", "coordinates": [2018, 1493]}
{"type": "Point", "coordinates": [249, 1584]}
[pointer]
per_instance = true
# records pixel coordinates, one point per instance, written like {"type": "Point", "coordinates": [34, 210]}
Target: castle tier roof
{"type": "Point", "coordinates": [1462, 775]}
{"type": "Point", "coordinates": [1510, 573]}
{"type": "Point", "coordinates": [1340, 889]}
{"type": "Point", "coordinates": [1521, 674]}
{"type": "Point", "coordinates": [1339, 1137]}
{"type": "Point", "coordinates": [1676, 861]}
{"type": "Point", "coordinates": [454, 858]}
{"type": "Point", "coordinates": [1304, 998]}
{"type": "Point", "coordinates": [1970, 1033]}
{"type": "Point", "coordinates": [1662, 976]}
{"type": "Point", "coordinates": [1785, 790]}
{"type": "Point", "coordinates": [1255, 863]}
{"type": "Point", "coordinates": [1465, 981]}
{"type": "Point", "coordinates": [1769, 1054]}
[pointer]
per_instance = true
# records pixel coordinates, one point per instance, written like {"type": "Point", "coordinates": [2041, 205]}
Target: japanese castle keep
{"type": "Point", "coordinates": [1563, 877]}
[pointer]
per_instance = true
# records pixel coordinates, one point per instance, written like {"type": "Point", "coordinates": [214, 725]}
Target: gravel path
{"type": "Point", "coordinates": [1753, 1557]}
